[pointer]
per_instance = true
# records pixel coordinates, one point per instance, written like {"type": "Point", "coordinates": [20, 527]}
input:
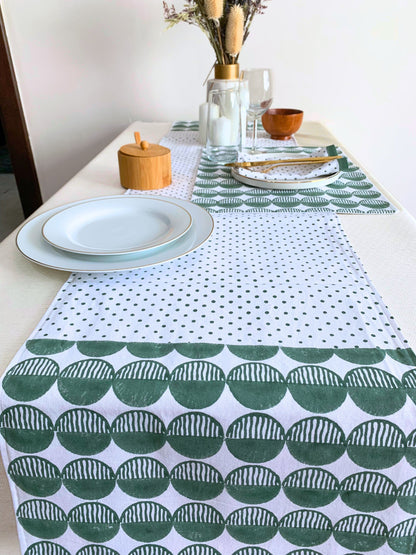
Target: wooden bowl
{"type": "Point", "coordinates": [281, 123]}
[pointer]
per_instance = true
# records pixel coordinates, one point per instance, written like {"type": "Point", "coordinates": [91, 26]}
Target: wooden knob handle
{"type": "Point", "coordinates": [144, 145]}
{"type": "Point", "coordinates": [137, 137]}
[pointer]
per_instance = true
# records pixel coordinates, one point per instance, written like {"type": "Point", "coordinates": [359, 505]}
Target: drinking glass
{"type": "Point", "coordinates": [223, 125]}
{"type": "Point", "coordinates": [260, 90]}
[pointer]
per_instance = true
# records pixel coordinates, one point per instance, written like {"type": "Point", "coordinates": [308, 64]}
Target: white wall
{"type": "Point", "coordinates": [87, 68]}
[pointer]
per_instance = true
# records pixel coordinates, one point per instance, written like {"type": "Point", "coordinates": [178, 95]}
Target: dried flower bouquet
{"type": "Point", "coordinates": [226, 23]}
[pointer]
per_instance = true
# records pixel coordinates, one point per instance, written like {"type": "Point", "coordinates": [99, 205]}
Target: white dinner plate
{"type": "Point", "coordinates": [115, 226]}
{"type": "Point", "coordinates": [294, 185]}
{"type": "Point", "coordinates": [31, 244]}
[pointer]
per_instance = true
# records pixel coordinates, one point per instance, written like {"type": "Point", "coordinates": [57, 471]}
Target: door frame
{"type": "Point", "coordinates": [15, 129]}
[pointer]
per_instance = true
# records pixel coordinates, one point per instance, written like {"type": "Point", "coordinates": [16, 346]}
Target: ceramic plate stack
{"type": "Point", "coordinates": [114, 233]}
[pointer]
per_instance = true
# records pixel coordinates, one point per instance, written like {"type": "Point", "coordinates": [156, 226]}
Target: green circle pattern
{"type": "Point", "coordinates": [83, 431]}
{"type": "Point", "coordinates": [252, 525]}
{"type": "Point", "coordinates": [376, 444]}
{"type": "Point", "coordinates": [150, 549]}
{"type": "Point", "coordinates": [253, 438]}
{"type": "Point", "coordinates": [406, 496]}
{"type": "Point", "coordinates": [46, 548]}
{"type": "Point", "coordinates": [401, 538]}
{"type": "Point", "coordinates": [311, 487]}
{"type": "Point", "coordinates": [86, 381]}
{"type": "Point", "coordinates": [138, 432]}
{"type": "Point", "coordinates": [94, 522]}
{"type": "Point", "coordinates": [149, 522]}
{"type": "Point", "coordinates": [253, 484]}
{"type": "Point", "coordinates": [141, 383]}
{"type": "Point", "coordinates": [252, 551]}
{"type": "Point", "coordinates": [146, 521]}
{"type": "Point", "coordinates": [95, 549]}
{"type": "Point", "coordinates": [305, 528]}
{"type": "Point", "coordinates": [145, 478]}
{"type": "Point", "coordinates": [197, 480]}
{"type": "Point", "coordinates": [368, 492]}
{"type": "Point", "coordinates": [198, 522]}
{"type": "Point", "coordinates": [373, 445]}
{"type": "Point", "coordinates": [88, 478]}
{"type": "Point", "coordinates": [35, 475]}
{"type": "Point", "coordinates": [195, 435]}
{"type": "Point", "coordinates": [375, 391]}
{"type": "Point", "coordinates": [199, 549]}
{"type": "Point", "coordinates": [30, 379]}
{"type": "Point", "coordinates": [257, 385]}
{"type": "Point", "coordinates": [26, 429]}
{"type": "Point", "coordinates": [42, 519]}
{"type": "Point", "coordinates": [199, 384]}
{"type": "Point", "coordinates": [316, 388]}
{"type": "Point", "coordinates": [316, 441]}
{"type": "Point", "coordinates": [360, 531]}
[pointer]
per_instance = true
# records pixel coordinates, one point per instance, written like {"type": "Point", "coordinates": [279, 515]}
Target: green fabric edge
{"type": "Point", "coordinates": [403, 355]}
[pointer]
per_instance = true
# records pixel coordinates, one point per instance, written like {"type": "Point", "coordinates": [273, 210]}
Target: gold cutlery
{"type": "Point", "coordinates": [284, 162]}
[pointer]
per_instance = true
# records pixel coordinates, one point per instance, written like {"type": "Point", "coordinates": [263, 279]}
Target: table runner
{"type": "Point", "coordinates": [216, 190]}
{"type": "Point", "coordinates": [253, 397]}
{"type": "Point", "coordinates": [186, 150]}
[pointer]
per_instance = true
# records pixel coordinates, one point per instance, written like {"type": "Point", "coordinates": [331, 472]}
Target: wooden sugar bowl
{"type": "Point", "coordinates": [144, 166]}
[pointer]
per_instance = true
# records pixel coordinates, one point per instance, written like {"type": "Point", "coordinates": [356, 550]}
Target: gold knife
{"type": "Point", "coordinates": [283, 162]}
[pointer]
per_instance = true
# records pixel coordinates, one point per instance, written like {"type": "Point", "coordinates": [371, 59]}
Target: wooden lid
{"type": "Point", "coordinates": [143, 149]}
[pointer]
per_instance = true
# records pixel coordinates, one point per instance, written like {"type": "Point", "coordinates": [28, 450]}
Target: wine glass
{"type": "Point", "coordinates": [260, 90]}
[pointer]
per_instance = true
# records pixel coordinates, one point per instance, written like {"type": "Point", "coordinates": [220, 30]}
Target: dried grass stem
{"type": "Point", "coordinates": [234, 32]}
{"type": "Point", "coordinates": [215, 19]}
{"type": "Point", "coordinates": [214, 9]}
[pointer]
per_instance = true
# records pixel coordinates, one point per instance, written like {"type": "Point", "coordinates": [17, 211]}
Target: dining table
{"type": "Point", "coordinates": [292, 319]}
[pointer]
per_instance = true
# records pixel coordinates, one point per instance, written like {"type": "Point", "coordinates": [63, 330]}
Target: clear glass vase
{"type": "Point", "coordinates": [224, 125]}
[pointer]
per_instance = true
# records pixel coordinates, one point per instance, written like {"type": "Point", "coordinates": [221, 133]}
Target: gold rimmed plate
{"type": "Point", "coordinates": [117, 226]}
{"type": "Point", "coordinates": [32, 246]}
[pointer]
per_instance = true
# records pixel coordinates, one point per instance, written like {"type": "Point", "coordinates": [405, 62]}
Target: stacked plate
{"type": "Point", "coordinates": [115, 233]}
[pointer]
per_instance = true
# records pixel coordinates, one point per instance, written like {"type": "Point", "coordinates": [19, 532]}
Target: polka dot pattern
{"type": "Point", "coordinates": [185, 153]}
{"type": "Point", "coordinates": [286, 279]}
{"type": "Point", "coordinates": [183, 141]}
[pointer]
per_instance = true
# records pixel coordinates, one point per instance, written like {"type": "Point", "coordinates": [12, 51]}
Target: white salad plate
{"type": "Point", "coordinates": [117, 226]}
{"type": "Point", "coordinates": [290, 185]}
{"type": "Point", "coordinates": [32, 245]}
